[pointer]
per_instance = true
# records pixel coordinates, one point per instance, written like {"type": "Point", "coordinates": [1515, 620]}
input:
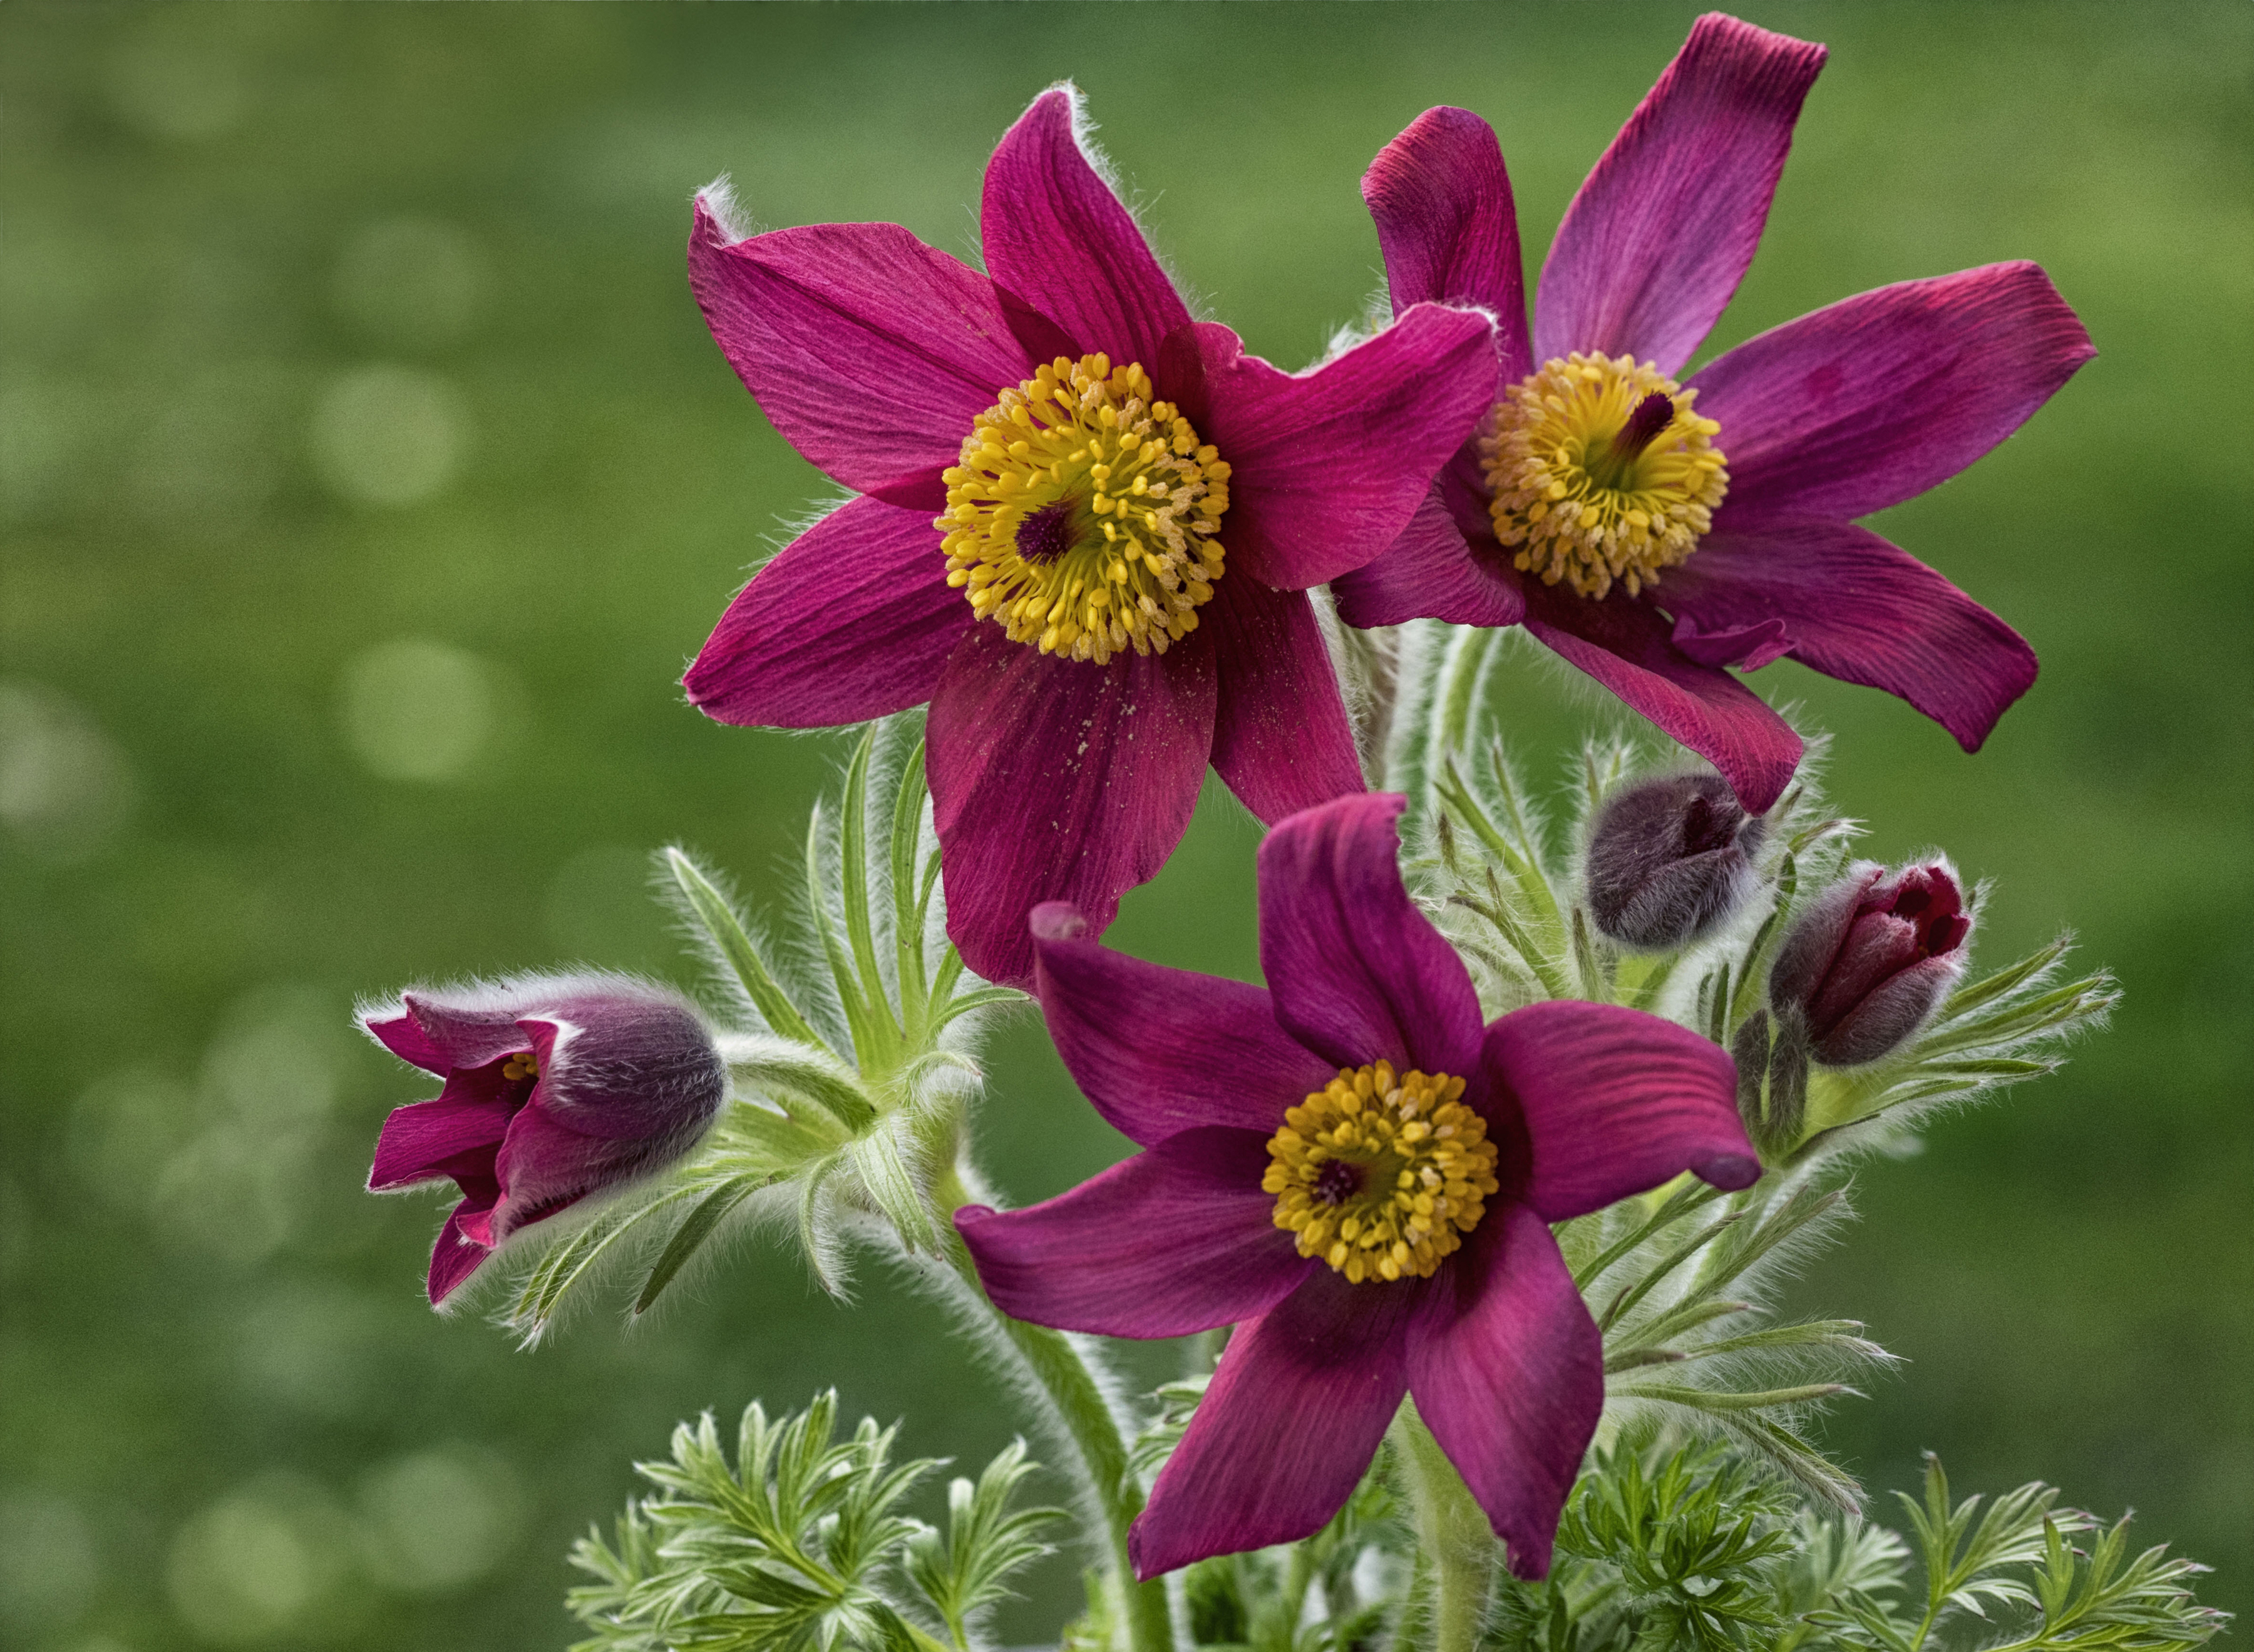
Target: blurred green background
{"type": "Point", "coordinates": [370, 478]}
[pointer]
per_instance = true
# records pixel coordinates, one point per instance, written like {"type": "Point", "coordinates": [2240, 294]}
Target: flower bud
{"type": "Point", "coordinates": [1869, 958]}
{"type": "Point", "coordinates": [1670, 859]}
{"type": "Point", "coordinates": [556, 1087]}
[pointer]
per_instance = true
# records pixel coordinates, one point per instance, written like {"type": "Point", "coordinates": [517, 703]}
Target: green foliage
{"type": "Point", "coordinates": [801, 1546]}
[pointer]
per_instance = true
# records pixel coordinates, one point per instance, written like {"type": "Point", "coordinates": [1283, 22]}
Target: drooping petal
{"type": "Point", "coordinates": [1159, 1050]}
{"type": "Point", "coordinates": [1507, 1370]}
{"type": "Point", "coordinates": [456, 1257]}
{"type": "Point", "coordinates": [1874, 399]}
{"type": "Point", "coordinates": [1626, 645]}
{"type": "Point", "coordinates": [852, 620]}
{"type": "Point", "coordinates": [1440, 197]}
{"type": "Point", "coordinates": [1857, 608]}
{"type": "Point", "coordinates": [464, 1037]}
{"type": "Point", "coordinates": [1328, 466]}
{"type": "Point", "coordinates": [1660, 233]}
{"type": "Point", "coordinates": [1432, 571]}
{"type": "Point", "coordinates": [1302, 1397]}
{"type": "Point", "coordinates": [868, 350]}
{"type": "Point", "coordinates": [1357, 973]}
{"type": "Point", "coordinates": [1176, 1240]}
{"type": "Point", "coordinates": [422, 1141]}
{"type": "Point", "coordinates": [1056, 235]}
{"type": "Point", "coordinates": [402, 1034]}
{"type": "Point", "coordinates": [1280, 736]}
{"type": "Point", "coordinates": [1058, 780]}
{"type": "Point", "coordinates": [1616, 1102]}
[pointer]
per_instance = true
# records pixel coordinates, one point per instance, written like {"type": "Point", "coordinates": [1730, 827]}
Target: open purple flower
{"type": "Point", "coordinates": [1352, 1170]}
{"type": "Point", "coordinates": [558, 1086]}
{"type": "Point", "coordinates": [1655, 533]}
{"type": "Point", "coordinates": [1050, 458]}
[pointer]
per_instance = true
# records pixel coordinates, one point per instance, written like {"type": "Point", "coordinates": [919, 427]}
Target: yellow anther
{"type": "Point", "coordinates": [1613, 445]}
{"type": "Point", "coordinates": [1381, 1174]}
{"type": "Point", "coordinates": [523, 1064]}
{"type": "Point", "coordinates": [1040, 526]}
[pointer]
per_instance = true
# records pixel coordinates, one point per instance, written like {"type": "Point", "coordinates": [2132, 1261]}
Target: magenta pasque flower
{"type": "Point", "coordinates": [1050, 460]}
{"type": "Point", "coordinates": [1869, 958]}
{"type": "Point", "coordinates": [1354, 1171]}
{"type": "Point", "coordinates": [558, 1086]}
{"type": "Point", "coordinates": [1655, 533]}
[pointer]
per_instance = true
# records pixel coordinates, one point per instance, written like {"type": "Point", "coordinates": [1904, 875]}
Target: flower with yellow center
{"type": "Point", "coordinates": [1382, 1175]}
{"type": "Point", "coordinates": [1598, 470]}
{"type": "Point", "coordinates": [1083, 515]}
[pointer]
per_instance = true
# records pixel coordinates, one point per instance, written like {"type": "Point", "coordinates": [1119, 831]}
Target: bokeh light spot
{"type": "Point", "coordinates": [389, 436]}
{"type": "Point", "coordinates": [417, 710]}
{"type": "Point", "coordinates": [434, 1519]}
{"type": "Point", "coordinates": [65, 786]}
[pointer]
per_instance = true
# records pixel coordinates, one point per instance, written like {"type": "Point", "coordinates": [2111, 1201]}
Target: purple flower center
{"type": "Point", "coordinates": [1046, 535]}
{"type": "Point", "coordinates": [1337, 1181]}
{"type": "Point", "coordinates": [1654, 413]}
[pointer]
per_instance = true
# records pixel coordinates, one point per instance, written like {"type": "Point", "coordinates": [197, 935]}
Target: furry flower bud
{"type": "Point", "coordinates": [1870, 958]}
{"type": "Point", "coordinates": [556, 1087]}
{"type": "Point", "coordinates": [1670, 859]}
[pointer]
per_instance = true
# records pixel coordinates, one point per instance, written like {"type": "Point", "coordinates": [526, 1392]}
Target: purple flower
{"type": "Point", "coordinates": [1869, 959]}
{"type": "Point", "coordinates": [1352, 1170]}
{"type": "Point", "coordinates": [1056, 448]}
{"type": "Point", "coordinates": [1654, 533]}
{"type": "Point", "coordinates": [558, 1086]}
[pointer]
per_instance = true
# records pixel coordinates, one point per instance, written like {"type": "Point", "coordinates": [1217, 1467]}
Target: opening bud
{"type": "Point", "coordinates": [1670, 859]}
{"type": "Point", "coordinates": [1867, 960]}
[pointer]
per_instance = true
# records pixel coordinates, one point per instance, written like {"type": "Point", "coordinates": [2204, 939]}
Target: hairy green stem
{"type": "Point", "coordinates": [1452, 1532]}
{"type": "Point", "coordinates": [1050, 1362]}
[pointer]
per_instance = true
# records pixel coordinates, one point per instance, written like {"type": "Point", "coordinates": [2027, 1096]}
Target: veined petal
{"type": "Point", "coordinates": [1058, 780]}
{"type": "Point", "coordinates": [1176, 1240]}
{"type": "Point", "coordinates": [1874, 399]}
{"type": "Point", "coordinates": [464, 1038]}
{"type": "Point", "coordinates": [1280, 737]}
{"type": "Point", "coordinates": [1328, 466]}
{"type": "Point", "coordinates": [1624, 645]}
{"type": "Point", "coordinates": [456, 1255]}
{"type": "Point", "coordinates": [1616, 1102]}
{"type": "Point", "coordinates": [422, 1141]}
{"type": "Point", "coordinates": [1440, 197]}
{"type": "Point", "coordinates": [1357, 973]}
{"type": "Point", "coordinates": [1432, 572]}
{"type": "Point", "coordinates": [1056, 235]}
{"type": "Point", "coordinates": [868, 351]}
{"type": "Point", "coordinates": [1662, 231]}
{"type": "Point", "coordinates": [1858, 608]}
{"type": "Point", "coordinates": [1302, 1395]}
{"type": "Point", "coordinates": [853, 620]}
{"type": "Point", "coordinates": [1507, 1370]}
{"type": "Point", "coordinates": [1158, 1050]}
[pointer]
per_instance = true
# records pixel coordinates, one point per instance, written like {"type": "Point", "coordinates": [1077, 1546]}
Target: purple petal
{"type": "Point", "coordinates": [403, 1036]}
{"type": "Point", "coordinates": [1748, 647]}
{"type": "Point", "coordinates": [1055, 235]}
{"type": "Point", "coordinates": [1861, 610]}
{"type": "Point", "coordinates": [1879, 397]}
{"type": "Point", "coordinates": [1293, 1416]}
{"type": "Point", "coordinates": [1159, 1050]}
{"type": "Point", "coordinates": [852, 620]}
{"type": "Point", "coordinates": [1507, 1370]}
{"type": "Point", "coordinates": [1058, 780]}
{"type": "Point", "coordinates": [640, 1069]}
{"type": "Point", "coordinates": [1280, 736]}
{"type": "Point", "coordinates": [465, 1038]}
{"type": "Point", "coordinates": [1328, 466]}
{"type": "Point", "coordinates": [1177, 1239]}
{"type": "Point", "coordinates": [868, 351]}
{"type": "Point", "coordinates": [1661, 233]}
{"type": "Point", "coordinates": [1616, 1102]}
{"type": "Point", "coordinates": [455, 1257]}
{"type": "Point", "coordinates": [545, 1168]}
{"type": "Point", "coordinates": [1358, 974]}
{"type": "Point", "coordinates": [421, 1142]}
{"type": "Point", "coordinates": [1432, 572]}
{"type": "Point", "coordinates": [1440, 197]}
{"type": "Point", "coordinates": [1626, 645]}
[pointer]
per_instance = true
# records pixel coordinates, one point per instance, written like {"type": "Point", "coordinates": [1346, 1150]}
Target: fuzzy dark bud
{"type": "Point", "coordinates": [1866, 960]}
{"type": "Point", "coordinates": [1670, 859]}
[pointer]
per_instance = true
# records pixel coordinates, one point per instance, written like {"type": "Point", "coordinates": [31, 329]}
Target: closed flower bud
{"type": "Point", "coordinates": [1670, 859]}
{"type": "Point", "coordinates": [1869, 958]}
{"type": "Point", "coordinates": [556, 1087]}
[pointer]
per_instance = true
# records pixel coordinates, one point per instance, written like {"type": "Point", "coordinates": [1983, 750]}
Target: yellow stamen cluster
{"type": "Point", "coordinates": [1382, 1175]}
{"type": "Point", "coordinates": [1582, 492]}
{"type": "Point", "coordinates": [1083, 517]}
{"type": "Point", "coordinates": [523, 1064]}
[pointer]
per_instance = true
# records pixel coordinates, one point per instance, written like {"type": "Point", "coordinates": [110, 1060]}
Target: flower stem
{"type": "Point", "coordinates": [1050, 1362]}
{"type": "Point", "coordinates": [1451, 1533]}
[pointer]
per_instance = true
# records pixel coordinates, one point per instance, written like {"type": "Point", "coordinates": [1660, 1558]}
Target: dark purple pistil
{"type": "Point", "coordinates": [1654, 413]}
{"type": "Point", "coordinates": [1046, 535]}
{"type": "Point", "coordinates": [1336, 1182]}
